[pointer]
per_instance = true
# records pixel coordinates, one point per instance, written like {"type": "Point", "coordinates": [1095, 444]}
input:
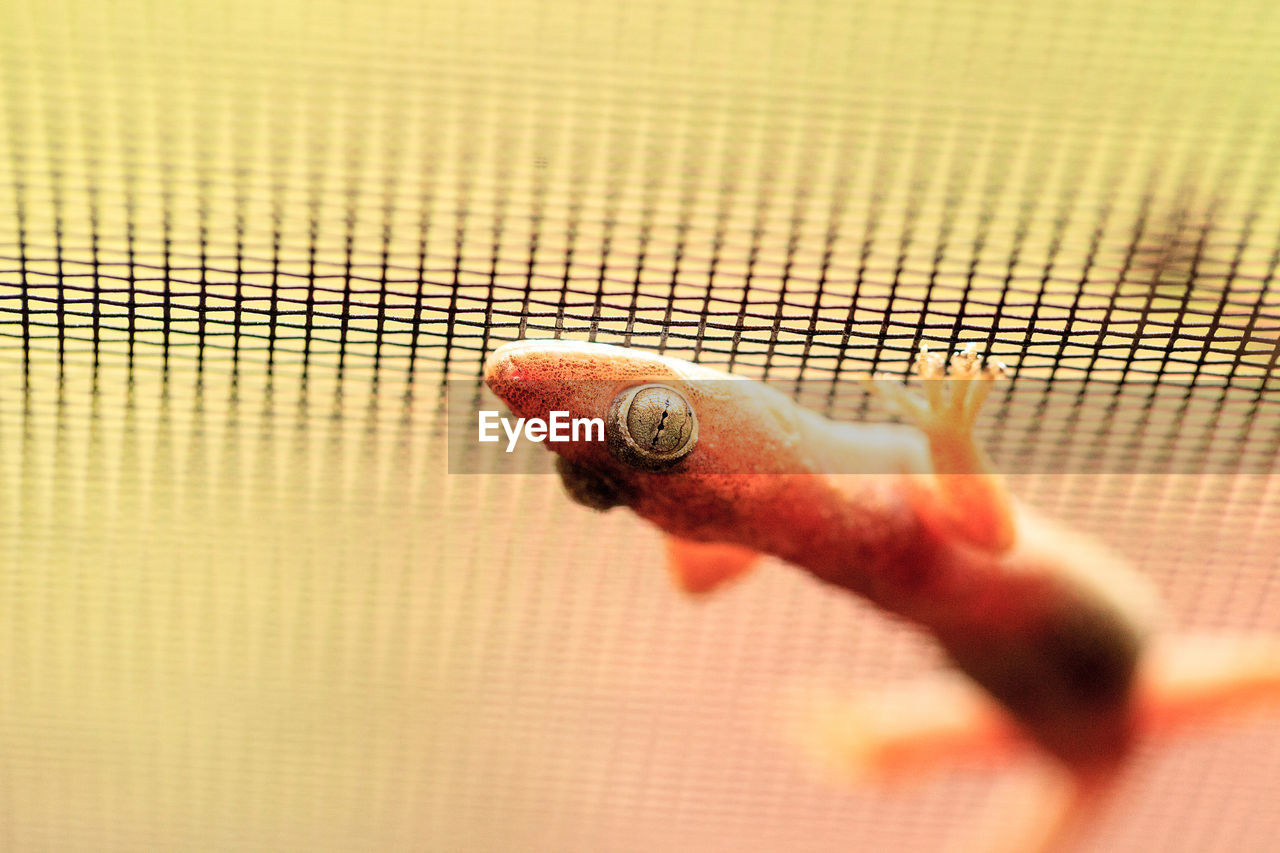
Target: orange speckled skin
{"type": "Point", "coordinates": [1052, 628]}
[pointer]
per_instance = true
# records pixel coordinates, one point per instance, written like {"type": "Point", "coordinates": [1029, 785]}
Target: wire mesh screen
{"type": "Point", "coordinates": [242, 245]}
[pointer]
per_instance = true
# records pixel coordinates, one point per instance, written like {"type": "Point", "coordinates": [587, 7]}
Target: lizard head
{"type": "Point", "coordinates": [678, 436]}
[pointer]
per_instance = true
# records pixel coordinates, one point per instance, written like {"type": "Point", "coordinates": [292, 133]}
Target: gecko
{"type": "Point", "coordinates": [1062, 644]}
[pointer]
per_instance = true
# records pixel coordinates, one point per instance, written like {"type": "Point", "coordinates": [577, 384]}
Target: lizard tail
{"type": "Point", "coordinates": [1046, 811]}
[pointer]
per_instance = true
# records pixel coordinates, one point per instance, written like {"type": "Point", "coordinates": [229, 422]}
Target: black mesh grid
{"type": "Point", "coordinates": [242, 245]}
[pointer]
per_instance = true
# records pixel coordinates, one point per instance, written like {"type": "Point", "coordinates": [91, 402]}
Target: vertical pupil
{"type": "Point", "coordinates": [658, 420]}
{"type": "Point", "coordinates": [651, 427]}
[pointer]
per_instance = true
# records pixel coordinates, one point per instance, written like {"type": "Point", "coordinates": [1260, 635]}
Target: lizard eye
{"type": "Point", "coordinates": [651, 427]}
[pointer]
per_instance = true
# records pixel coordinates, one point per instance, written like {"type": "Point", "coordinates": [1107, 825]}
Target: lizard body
{"type": "Point", "coordinates": [1053, 626]}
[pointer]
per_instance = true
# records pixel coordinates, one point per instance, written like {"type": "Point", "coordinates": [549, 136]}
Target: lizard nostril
{"type": "Point", "coordinates": [651, 427]}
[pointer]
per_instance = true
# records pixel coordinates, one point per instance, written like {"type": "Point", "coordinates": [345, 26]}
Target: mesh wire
{"type": "Point", "coordinates": [241, 246]}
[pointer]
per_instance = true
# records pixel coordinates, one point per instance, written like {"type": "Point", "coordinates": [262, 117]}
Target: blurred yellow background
{"type": "Point", "coordinates": [243, 607]}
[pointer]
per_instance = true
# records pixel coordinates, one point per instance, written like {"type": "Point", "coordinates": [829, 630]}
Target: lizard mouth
{"type": "Point", "coordinates": [513, 369]}
{"type": "Point", "coordinates": [542, 360]}
{"type": "Point", "coordinates": [535, 377]}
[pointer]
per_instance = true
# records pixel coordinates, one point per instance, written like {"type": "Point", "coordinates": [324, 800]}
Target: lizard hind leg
{"type": "Point", "coordinates": [1192, 681]}
{"type": "Point", "coordinates": [964, 499]}
{"type": "Point", "coordinates": [903, 732]}
{"type": "Point", "coordinates": [906, 731]}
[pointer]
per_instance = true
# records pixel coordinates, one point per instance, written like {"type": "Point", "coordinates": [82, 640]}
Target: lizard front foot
{"type": "Point", "coordinates": [965, 499]}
